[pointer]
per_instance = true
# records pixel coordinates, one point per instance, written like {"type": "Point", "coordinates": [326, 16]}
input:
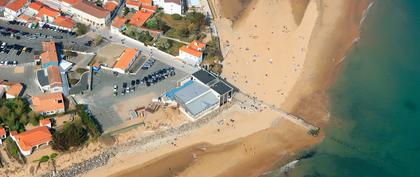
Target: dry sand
{"type": "Point", "coordinates": [286, 60]}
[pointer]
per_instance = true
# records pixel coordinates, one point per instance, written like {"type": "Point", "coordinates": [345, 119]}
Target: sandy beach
{"type": "Point", "coordinates": [283, 52]}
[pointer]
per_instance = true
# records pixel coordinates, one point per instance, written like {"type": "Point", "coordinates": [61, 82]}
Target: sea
{"type": "Point", "coordinates": [375, 102]}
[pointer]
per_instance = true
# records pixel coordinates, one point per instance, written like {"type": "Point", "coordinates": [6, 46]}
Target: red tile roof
{"type": "Point", "coordinates": [110, 6]}
{"type": "Point", "coordinates": [71, 1]}
{"type": "Point", "coordinates": [50, 53]}
{"type": "Point", "coordinates": [4, 2]}
{"type": "Point", "coordinates": [149, 8]}
{"type": "Point", "coordinates": [2, 131]}
{"type": "Point", "coordinates": [15, 90]}
{"type": "Point", "coordinates": [47, 11]}
{"type": "Point", "coordinates": [91, 9]}
{"type": "Point", "coordinates": [140, 17]}
{"type": "Point", "coordinates": [139, 2]}
{"type": "Point", "coordinates": [125, 59]}
{"type": "Point", "coordinates": [118, 22]}
{"type": "Point", "coordinates": [37, 136]}
{"type": "Point", "coordinates": [36, 5]}
{"type": "Point", "coordinates": [194, 48]}
{"type": "Point", "coordinates": [54, 76]}
{"type": "Point", "coordinates": [44, 122]}
{"type": "Point", "coordinates": [47, 102]}
{"type": "Point", "coordinates": [16, 5]}
{"type": "Point", "coordinates": [64, 22]}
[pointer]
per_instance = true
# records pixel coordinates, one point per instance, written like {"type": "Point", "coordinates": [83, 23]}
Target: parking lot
{"type": "Point", "coordinates": [21, 34]}
{"type": "Point", "coordinates": [102, 100]}
{"type": "Point", "coordinates": [27, 77]}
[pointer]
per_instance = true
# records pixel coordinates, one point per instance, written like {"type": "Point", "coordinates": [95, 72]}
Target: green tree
{"type": "Point", "coordinates": [33, 118]}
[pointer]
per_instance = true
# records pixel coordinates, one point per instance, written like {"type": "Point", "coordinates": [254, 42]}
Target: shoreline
{"type": "Point", "coordinates": [242, 139]}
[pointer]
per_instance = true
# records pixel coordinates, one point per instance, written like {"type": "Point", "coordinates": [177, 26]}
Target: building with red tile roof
{"type": "Point", "coordinates": [192, 54]}
{"type": "Point", "coordinates": [49, 56]}
{"type": "Point", "coordinates": [118, 24]}
{"type": "Point", "coordinates": [32, 139]}
{"type": "Point", "coordinates": [2, 133]}
{"type": "Point", "coordinates": [140, 17]}
{"type": "Point", "coordinates": [47, 14]}
{"type": "Point", "coordinates": [14, 91]}
{"type": "Point", "coordinates": [110, 6]}
{"type": "Point", "coordinates": [15, 8]}
{"type": "Point", "coordinates": [136, 4]}
{"type": "Point", "coordinates": [90, 13]}
{"type": "Point", "coordinates": [48, 103]}
{"type": "Point", "coordinates": [45, 123]}
{"type": "Point", "coordinates": [149, 8]}
{"type": "Point", "coordinates": [126, 59]}
{"type": "Point", "coordinates": [65, 23]}
{"type": "Point", "coordinates": [71, 2]}
{"type": "Point", "coordinates": [4, 3]}
{"type": "Point", "coordinates": [36, 6]}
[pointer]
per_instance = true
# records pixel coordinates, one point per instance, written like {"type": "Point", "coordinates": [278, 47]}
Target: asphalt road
{"type": "Point", "coordinates": [101, 99]}
{"type": "Point", "coordinates": [28, 78]}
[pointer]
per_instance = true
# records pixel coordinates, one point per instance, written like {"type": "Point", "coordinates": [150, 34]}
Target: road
{"type": "Point", "coordinates": [148, 51]}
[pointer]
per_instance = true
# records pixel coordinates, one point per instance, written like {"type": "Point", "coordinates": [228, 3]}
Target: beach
{"type": "Point", "coordinates": [281, 52]}
{"type": "Point", "coordinates": [281, 61]}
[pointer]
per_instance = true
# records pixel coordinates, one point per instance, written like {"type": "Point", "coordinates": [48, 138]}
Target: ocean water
{"type": "Point", "coordinates": [375, 101]}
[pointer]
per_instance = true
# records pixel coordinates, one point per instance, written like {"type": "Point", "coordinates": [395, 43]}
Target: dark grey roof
{"type": "Point", "coordinates": [42, 77]}
{"type": "Point", "coordinates": [221, 87]}
{"type": "Point", "coordinates": [204, 76]}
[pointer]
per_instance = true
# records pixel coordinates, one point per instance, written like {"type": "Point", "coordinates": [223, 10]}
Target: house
{"type": "Point", "coordinates": [51, 78]}
{"type": "Point", "coordinates": [15, 8]}
{"type": "Point", "coordinates": [49, 57]}
{"type": "Point", "coordinates": [3, 135]}
{"type": "Point", "coordinates": [34, 8]}
{"type": "Point", "coordinates": [171, 6]}
{"type": "Point", "coordinates": [3, 4]}
{"type": "Point", "coordinates": [64, 23]}
{"type": "Point", "coordinates": [118, 24]}
{"type": "Point", "coordinates": [126, 59]}
{"type": "Point", "coordinates": [47, 14]}
{"type": "Point", "coordinates": [136, 4]}
{"type": "Point", "coordinates": [91, 14]}
{"type": "Point", "coordinates": [14, 91]}
{"type": "Point", "coordinates": [192, 54]}
{"type": "Point", "coordinates": [45, 122]}
{"type": "Point", "coordinates": [149, 8]}
{"type": "Point", "coordinates": [224, 90]}
{"type": "Point", "coordinates": [33, 139]}
{"type": "Point", "coordinates": [110, 6]}
{"type": "Point", "coordinates": [48, 103]}
{"type": "Point", "coordinates": [140, 17]}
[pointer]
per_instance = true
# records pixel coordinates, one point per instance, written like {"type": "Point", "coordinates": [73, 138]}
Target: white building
{"type": "Point", "coordinates": [15, 8]}
{"type": "Point", "coordinates": [90, 14]}
{"type": "Point", "coordinates": [33, 139]}
{"type": "Point", "coordinates": [171, 6]}
{"type": "Point", "coordinates": [192, 54]}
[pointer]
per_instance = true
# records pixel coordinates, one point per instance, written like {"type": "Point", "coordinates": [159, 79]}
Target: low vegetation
{"type": "Point", "coordinates": [187, 28]}
{"type": "Point", "coordinates": [74, 134]}
{"type": "Point", "coordinates": [89, 122]}
{"type": "Point", "coordinates": [16, 113]}
{"type": "Point", "coordinates": [168, 46]}
{"type": "Point", "coordinates": [81, 29]}
{"type": "Point", "coordinates": [138, 34]}
{"type": "Point", "coordinates": [13, 150]}
{"type": "Point", "coordinates": [213, 56]}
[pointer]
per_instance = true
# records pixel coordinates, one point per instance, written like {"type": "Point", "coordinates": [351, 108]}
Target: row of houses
{"type": "Point", "coordinates": [52, 80]}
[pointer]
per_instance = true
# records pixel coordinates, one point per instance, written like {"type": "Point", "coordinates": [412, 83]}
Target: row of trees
{"type": "Point", "coordinates": [16, 113]}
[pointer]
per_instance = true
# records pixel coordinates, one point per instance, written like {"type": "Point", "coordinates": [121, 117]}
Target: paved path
{"type": "Point", "coordinates": [243, 97]}
{"type": "Point", "coordinates": [177, 40]}
{"type": "Point", "coordinates": [147, 50]}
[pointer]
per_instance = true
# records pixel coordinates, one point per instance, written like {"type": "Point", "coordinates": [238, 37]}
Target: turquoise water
{"type": "Point", "coordinates": [376, 101]}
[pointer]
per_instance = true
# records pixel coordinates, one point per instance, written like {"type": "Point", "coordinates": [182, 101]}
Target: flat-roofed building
{"type": "Point", "coordinates": [89, 13]}
{"type": "Point", "coordinates": [171, 6]}
{"type": "Point", "coordinates": [126, 59]}
{"type": "Point", "coordinates": [33, 139]}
